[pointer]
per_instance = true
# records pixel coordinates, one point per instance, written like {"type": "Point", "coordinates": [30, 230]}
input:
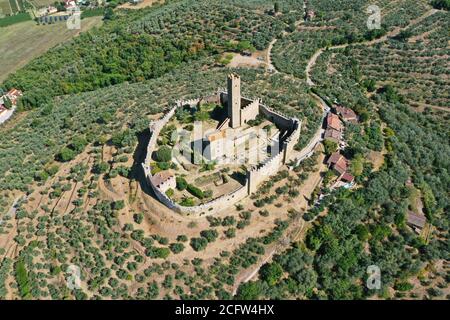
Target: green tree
{"type": "Point", "coordinates": [65, 155]}
{"type": "Point", "coordinates": [250, 291]}
{"type": "Point", "coordinates": [164, 154]}
{"type": "Point", "coordinates": [199, 244]}
{"type": "Point", "coordinates": [271, 273]}
{"type": "Point", "coordinates": [330, 146]}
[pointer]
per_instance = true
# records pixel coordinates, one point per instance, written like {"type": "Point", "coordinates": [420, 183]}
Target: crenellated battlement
{"type": "Point", "coordinates": [255, 175]}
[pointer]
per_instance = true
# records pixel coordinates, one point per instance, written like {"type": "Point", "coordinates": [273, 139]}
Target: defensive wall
{"type": "Point", "coordinates": [255, 175]}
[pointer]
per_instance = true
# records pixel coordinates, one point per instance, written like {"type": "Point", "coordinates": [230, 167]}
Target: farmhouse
{"type": "Point", "coordinates": [13, 95]}
{"type": "Point", "coordinates": [347, 114]}
{"type": "Point", "coordinates": [333, 122]}
{"type": "Point", "coordinates": [164, 180]}
{"type": "Point", "coordinates": [333, 135]}
{"type": "Point", "coordinates": [338, 162]}
{"type": "Point", "coordinates": [416, 221]}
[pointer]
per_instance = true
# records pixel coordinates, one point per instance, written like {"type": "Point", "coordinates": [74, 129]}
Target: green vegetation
{"type": "Point", "coordinates": [92, 13]}
{"type": "Point", "coordinates": [196, 192]}
{"type": "Point", "coordinates": [164, 154]}
{"type": "Point", "coordinates": [441, 4]}
{"type": "Point", "coordinates": [22, 279]}
{"type": "Point", "coordinates": [199, 244]}
{"type": "Point", "coordinates": [139, 45]}
{"type": "Point", "coordinates": [17, 18]}
{"type": "Point", "coordinates": [155, 56]}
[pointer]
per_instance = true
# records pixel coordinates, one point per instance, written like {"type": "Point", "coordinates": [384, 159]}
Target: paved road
{"type": "Point", "coordinates": [6, 115]}
{"type": "Point", "coordinates": [318, 137]}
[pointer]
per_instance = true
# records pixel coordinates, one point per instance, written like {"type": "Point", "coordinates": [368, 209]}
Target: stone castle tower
{"type": "Point", "coordinates": [234, 100]}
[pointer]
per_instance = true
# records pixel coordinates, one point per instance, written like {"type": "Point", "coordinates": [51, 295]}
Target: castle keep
{"type": "Point", "coordinates": [220, 147]}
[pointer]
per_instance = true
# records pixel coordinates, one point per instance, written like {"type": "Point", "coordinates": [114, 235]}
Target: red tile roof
{"type": "Point", "coordinates": [416, 220]}
{"type": "Point", "coordinates": [333, 134]}
{"type": "Point", "coordinates": [333, 122]}
{"type": "Point", "coordinates": [347, 177]}
{"type": "Point", "coordinates": [338, 162]}
{"type": "Point", "coordinates": [14, 92]}
{"type": "Point", "coordinates": [161, 177]}
{"type": "Point", "coordinates": [346, 113]}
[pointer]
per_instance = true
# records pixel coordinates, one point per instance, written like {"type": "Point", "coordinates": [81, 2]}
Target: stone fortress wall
{"type": "Point", "coordinates": [255, 176]}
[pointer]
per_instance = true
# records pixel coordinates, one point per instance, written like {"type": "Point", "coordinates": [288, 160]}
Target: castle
{"type": "Point", "coordinates": [240, 110]}
{"type": "Point", "coordinates": [230, 139]}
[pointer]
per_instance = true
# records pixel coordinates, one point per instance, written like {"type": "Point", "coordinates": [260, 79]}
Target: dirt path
{"type": "Point", "coordinates": [295, 230]}
{"type": "Point", "coordinates": [271, 67]}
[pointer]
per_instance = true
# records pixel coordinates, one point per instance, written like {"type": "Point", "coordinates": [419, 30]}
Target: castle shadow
{"type": "Point", "coordinates": [137, 172]}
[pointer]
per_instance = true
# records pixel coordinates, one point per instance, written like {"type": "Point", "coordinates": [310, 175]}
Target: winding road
{"type": "Point", "coordinates": [249, 274]}
{"type": "Point", "coordinates": [312, 61]}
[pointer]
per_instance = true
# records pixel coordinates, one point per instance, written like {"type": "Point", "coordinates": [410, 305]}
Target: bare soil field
{"type": "Point", "coordinates": [240, 61]}
{"type": "Point", "coordinates": [143, 4]}
{"type": "Point", "coordinates": [20, 43]}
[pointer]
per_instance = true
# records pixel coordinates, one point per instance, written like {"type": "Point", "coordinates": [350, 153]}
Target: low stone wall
{"type": "Point", "coordinates": [282, 121]}
{"type": "Point", "coordinates": [211, 207]}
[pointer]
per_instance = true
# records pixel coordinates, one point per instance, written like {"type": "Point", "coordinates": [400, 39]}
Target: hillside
{"type": "Point", "coordinates": [73, 194]}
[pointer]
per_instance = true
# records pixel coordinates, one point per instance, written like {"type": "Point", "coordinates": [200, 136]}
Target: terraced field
{"type": "Point", "coordinates": [416, 63]}
{"type": "Point", "coordinates": [333, 26]}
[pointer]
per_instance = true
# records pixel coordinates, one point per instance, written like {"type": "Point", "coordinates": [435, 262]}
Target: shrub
{"type": "Point", "coordinates": [199, 244]}
{"type": "Point", "coordinates": [271, 273]}
{"type": "Point", "coordinates": [181, 183]}
{"type": "Point", "coordinates": [138, 218]}
{"type": "Point", "coordinates": [164, 154]}
{"type": "Point", "coordinates": [182, 238]}
{"type": "Point", "coordinates": [210, 235]}
{"type": "Point", "coordinates": [176, 247]}
{"type": "Point", "coordinates": [157, 252]}
{"type": "Point", "coordinates": [230, 233]}
{"type": "Point", "coordinates": [170, 192]}
{"type": "Point", "coordinates": [195, 191]}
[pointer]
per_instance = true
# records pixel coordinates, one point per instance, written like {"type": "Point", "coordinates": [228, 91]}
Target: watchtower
{"type": "Point", "coordinates": [234, 100]}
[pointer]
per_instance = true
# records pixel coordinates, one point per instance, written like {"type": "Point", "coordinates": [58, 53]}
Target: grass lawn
{"type": "Point", "coordinates": [92, 13]}
{"type": "Point", "coordinates": [22, 42]}
{"type": "Point", "coordinates": [20, 17]}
